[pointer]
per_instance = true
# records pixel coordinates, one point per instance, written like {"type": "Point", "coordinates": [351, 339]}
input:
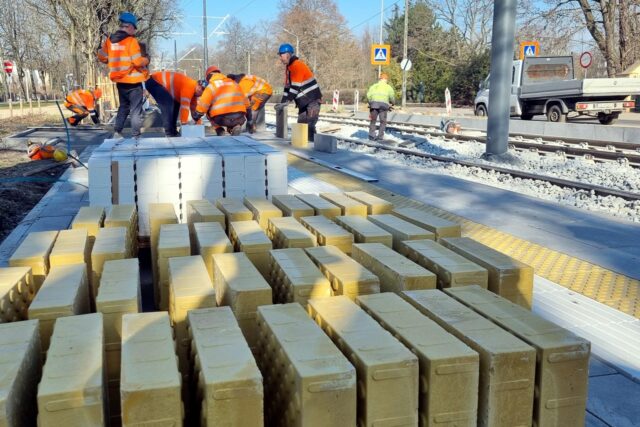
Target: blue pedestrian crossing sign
{"type": "Point", "coordinates": [380, 54]}
{"type": "Point", "coordinates": [531, 48]}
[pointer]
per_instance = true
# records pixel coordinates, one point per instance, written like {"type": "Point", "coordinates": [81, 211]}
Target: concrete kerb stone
{"type": "Point", "coordinates": [325, 143]}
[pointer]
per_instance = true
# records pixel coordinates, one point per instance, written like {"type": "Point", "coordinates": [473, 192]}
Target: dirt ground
{"type": "Point", "coordinates": [17, 198]}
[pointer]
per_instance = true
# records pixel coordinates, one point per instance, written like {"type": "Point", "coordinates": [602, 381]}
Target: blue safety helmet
{"type": "Point", "coordinates": [285, 48]}
{"type": "Point", "coordinates": [129, 18]}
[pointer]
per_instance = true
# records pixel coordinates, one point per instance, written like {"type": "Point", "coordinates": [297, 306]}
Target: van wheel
{"type": "Point", "coordinates": [526, 116]}
{"type": "Point", "coordinates": [555, 114]}
{"type": "Point", "coordinates": [481, 110]}
{"type": "Point", "coordinates": [607, 119]}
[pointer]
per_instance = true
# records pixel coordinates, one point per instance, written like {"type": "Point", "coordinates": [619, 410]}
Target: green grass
{"type": "Point", "coordinates": [25, 104]}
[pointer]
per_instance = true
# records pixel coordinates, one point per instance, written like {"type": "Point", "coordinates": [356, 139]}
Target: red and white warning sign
{"type": "Point", "coordinates": [8, 67]}
{"type": "Point", "coordinates": [336, 100]}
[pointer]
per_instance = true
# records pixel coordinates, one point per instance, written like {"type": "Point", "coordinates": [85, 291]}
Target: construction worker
{"type": "Point", "coordinates": [381, 97]}
{"type": "Point", "coordinates": [128, 69]}
{"type": "Point", "coordinates": [184, 91]}
{"type": "Point", "coordinates": [82, 103]}
{"type": "Point", "coordinates": [300, 86]}
{"type": "Point", "coordinates": [258, 91]}
{"type": "Point", "coordinates": [223, 102]}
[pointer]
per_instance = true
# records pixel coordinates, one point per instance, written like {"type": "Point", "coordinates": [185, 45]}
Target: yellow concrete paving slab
{"type": "Point", "coordinates": [210, 238]}
{"type": "Point", "coordinates": [295, 278]}
{"type": "Point", "coordinates": [262, 210]}
{"type": "Point", "coordinates": [90, 218]}
{"type": "Point", "coordinates": [34, 252]}
{"type": "Point", "coordinates": [287, 232]}
{"type": "Point", "coordinates": [375, 205]}
{"type": "Point", "coordinates": [328, 233]}
{"type": "Point", "coordinates": [174, 242]}
{"type": "Point", "coordinates": [250, 238]}
{"type": "Point", "coordinates": [290, 205]}
{"type": "Point", "coordinates": [110, 244]}
{"type": "Point", "coordinates": [441, 227]}
{"type": "Point", "coordinates": [233, 210]}
{"type": "Point", "coordinates": [17, 290]}
{"type": "Point", "coordinates": [400, 229]}
{"type": "Point", "coordinates": [363, 230]}
{"type": "Point", "coordinates": [347, 205]}
{"type": "Point", "coordinates": [320, 206]}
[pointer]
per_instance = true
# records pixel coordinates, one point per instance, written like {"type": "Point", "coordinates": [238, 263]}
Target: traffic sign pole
{"type": "Point", "coordinates": [404, 52]}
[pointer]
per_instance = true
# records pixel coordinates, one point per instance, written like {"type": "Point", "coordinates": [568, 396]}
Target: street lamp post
{"type": "Point", "coordinates": [297, 40]}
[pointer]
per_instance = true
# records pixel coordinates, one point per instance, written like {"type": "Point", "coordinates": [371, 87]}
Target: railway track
{"type": "Point", "coordinates": [592, 189]}
{"type": "Point", "coordinates": [598, 151]}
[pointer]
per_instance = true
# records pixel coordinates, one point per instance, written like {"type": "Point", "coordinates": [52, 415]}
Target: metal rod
{"type": "Point", "coordinates": [381, 25]}
{"type": "Point", "coordinates": [175, 54]}
{"type": "Point", "coordinates": [204, 33]}
{"type": "Point", "coordinates": [504, 21]}
{"type": "Point", "coordinates": [404, 52]}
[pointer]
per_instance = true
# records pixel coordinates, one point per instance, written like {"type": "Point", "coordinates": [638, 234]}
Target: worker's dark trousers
{"type": "Point", "coordinates": [374, 115]}
{"type": "Point", "coordinates": [175, 115]}
{"type": "Point", "coordinates": [165, 102]}
{"type": "Point", "coordinates": [256, 118]}
{"type": "Point", "coordinates": [309, 114]}
{"type": "Point", "coordinates": [130, 96]}
{"type": "Point", "coordinates": [229, 120]}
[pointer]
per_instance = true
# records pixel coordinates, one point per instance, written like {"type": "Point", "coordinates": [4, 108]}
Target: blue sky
{"type": "Point", "coordinates": [358, 13]}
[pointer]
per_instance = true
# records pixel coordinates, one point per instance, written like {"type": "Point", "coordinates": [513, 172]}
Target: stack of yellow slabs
{"type": "Point", "coordinates": [451, 268]}
{"type": "Point", "coordinates": [400, 229]}
{"type": "Point", "coordinates": [508, 277]}
{"type": "Point", "coordinates": [347, 205]}
{"type": "Point", "coordinates": [262, 210]}
{"type": "Point", "coordinates": [507, 364]}
{"type": "Point", "coordinates": [347, 277]}
{"type": "Point", "coordinates": [118, 295]}
{"type": "Point", "coordinates": [210, 239]}
{"type": "Point", "coordinates": [199, 211]}
{"type": "Point", "coordinates": [248, 237]}
{"type": "Point", "coordinates": [295, 278]}
{"type": "Point", "coordinates": [320, 206]}
{"type": "Point", "coordinates": [20, 372]}
{"type": "Point", "coordinates": [34, 252]}
{"type": "Point", "coordinates": [439, 226]}
{"type": "Point", "coordinates": [173, 242]}
{"type": "Point", "coordinates": [63, 293]}
{"type": "Point", "coordinates": [90, 218]}
{"type": "Point", "coordinates": [125, 216]}
{"type": "Point", "coordinates": [328, 232]}
{"type": "Point", "coordinates": [190, 288]}
{"type": "Point", "coordinates": [396, 273]}
{"type": "Point", "coordinates": [290, 205]}
{"type": "Point", "coordinates": [239, 285]}
{"type": "Point", "coordinates": [387, 370]}
{"type": "Point", "coordinates": [159, 214]}
{"type": "Point", "coordinates": [150, 381]}
{"type": "Point", "coordinates": [562, 371]}
{"type": "Point", "coordinates": [71, 392]}
{"type": "Point", "coordinates": [364, 231]}
{"type": "Point", "coordinates": [375, 205]}
{"type": "Point", "coordinates": [228, 380]}
{"type": "Point", "coordinates": [310, 383]}
{"type": "Point", "coordinates": [233, 210]}
{"type": "Point", "coordinates": [72, 247]}
{"type": "Point", "coordinates": [17, 290]}
{"type": "Point", "coordinates": [111, 244]}
{"type": "Point", "coordinates": [449, 369]}
{"type": "Point", "coordinates": [287, 232]}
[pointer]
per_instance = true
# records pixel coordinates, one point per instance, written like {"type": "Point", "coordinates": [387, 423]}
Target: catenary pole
{"type": "Point", "coordinates": [504, 21]}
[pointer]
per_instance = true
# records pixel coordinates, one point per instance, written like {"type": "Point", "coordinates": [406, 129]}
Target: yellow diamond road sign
{"type": "Point", "coordinates": [380, 54]}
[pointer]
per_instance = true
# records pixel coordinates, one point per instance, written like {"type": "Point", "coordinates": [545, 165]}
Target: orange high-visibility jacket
{"type": "Point", "coordinates": [300, 84]}
{"type": "Point", "coordinates": [126, 63]}
{"type": "Point", "coordinates": [251, 85]}
{"type": "Point", "coordinates": [82, 98]}
{"type": "Point", "coordinates": [182, 89]}
{"type": "Point", "coordinates": [222, 96]}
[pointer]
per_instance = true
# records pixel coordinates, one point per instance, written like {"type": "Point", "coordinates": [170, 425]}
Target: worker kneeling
{"type": "Point", "coordinates": [223, 102]}
{"type": "Point", "coordinates": [258, 91]}
{"type": "Point", "coordinates": [82, 103]}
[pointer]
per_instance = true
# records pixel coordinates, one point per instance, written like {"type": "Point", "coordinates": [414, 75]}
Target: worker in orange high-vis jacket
{"type": "Point", "coordinates": [223, 102]}
{"type": "Point", "coordinates": [128, 69]}
{"type": "Point", "coordinates": [258, 91]}
{"type": "Point", "coordinates": [301, 87]}
{"type": "Point", "coordinates": [82, 103]}
{"type": "Point", "coordinates": [185, 93]}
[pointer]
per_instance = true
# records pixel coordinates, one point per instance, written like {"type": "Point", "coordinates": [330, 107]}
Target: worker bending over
{"type": "Point", "coordinates": [381, 97]}
{"type": "Point", "coordinates": [301, 87]}
{"type": "Point", "coordinates": [184, 91]}
{"type": "Point", "coordinates": [82, 103]}
{"type": "Point", "coordinates": [258, 91]}
{"type": "Point", "coordinates": [223, 102]}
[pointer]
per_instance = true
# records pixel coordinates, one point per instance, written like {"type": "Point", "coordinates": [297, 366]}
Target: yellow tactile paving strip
{"type": "Point", "coordinates": [606, 286]}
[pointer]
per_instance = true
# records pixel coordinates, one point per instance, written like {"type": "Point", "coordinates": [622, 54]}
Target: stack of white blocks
{"type": "Point", "coordinates": [176, 170]}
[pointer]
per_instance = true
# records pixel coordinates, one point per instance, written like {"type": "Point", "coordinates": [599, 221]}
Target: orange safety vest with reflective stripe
{"type": "Point", "coordinates": [300, 84]}
{"type": "Point", "coordinates": [251, 85]}
{"type": "Point", "coordinates": [82, 98]}
{"type": "Point", "coordinates": [222, 96]}
{"type": "Point", "coordinates": [125, 60]}
{"type": "Point", "coordinates": [181, 87]}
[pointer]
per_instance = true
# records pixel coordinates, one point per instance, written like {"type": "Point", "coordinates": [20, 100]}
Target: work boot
{"type": "Point", "coordinates": [251, 128]}
{"type": "Point", "coordinates": [236, 131]}
{"type": "Point", "coordinates": [117, 135]}
{"type": "Point", "coordinates": [220, 131]}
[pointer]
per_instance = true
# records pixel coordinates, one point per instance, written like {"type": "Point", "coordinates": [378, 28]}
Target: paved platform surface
{"type": "Point", "coordinates": [613, 393]}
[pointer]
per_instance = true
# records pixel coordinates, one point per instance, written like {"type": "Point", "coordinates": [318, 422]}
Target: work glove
{"type": "Point", "coordinates": [196, 115]}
